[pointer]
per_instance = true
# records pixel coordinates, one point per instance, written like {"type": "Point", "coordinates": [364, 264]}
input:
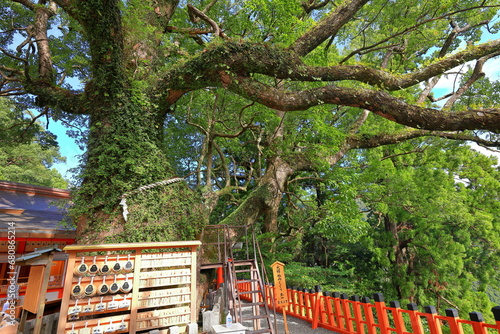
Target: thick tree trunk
{"type": "Point", "coordinates": [264, 200]}
{"type": "Point", "coordinates": [124, 153]}
{"type": "Point", "coordinates": [403, 262]}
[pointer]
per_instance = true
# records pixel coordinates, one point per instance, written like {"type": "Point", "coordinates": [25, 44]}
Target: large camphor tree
{"type": "Point", "coordinates": [277, 91]}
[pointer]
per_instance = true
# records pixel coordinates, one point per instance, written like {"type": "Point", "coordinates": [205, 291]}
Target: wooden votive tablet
{"type": "Point", "coordinates": [81, 269]}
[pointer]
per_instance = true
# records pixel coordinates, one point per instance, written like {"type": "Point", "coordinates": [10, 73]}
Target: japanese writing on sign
{"type": "Point", "coordinates": [280, 291]}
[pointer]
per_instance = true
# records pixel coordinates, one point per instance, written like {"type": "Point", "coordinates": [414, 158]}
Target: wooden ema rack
{"type": "Point", "coordinates": [129, 290]}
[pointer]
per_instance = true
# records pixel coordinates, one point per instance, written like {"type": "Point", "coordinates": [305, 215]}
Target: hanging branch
{"type": "Point", "coordinates": [195, 12]}
{"type": "Point", "coordinates": [476, 75]}
{"type": "Point", "coordinates": [442, 53]}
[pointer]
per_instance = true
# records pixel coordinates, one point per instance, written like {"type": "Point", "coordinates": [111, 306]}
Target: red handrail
{"type": "Point", "coordinates": [353, 315]}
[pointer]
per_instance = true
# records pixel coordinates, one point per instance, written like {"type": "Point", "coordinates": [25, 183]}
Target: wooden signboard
{"type": "Point", "coordinates": [40, 262]}
{"type": "Point", "coordinates": [134, 288]}
{"type": "Point", "coordinates": [35, 280]}
{"type": "Point", "coordinates": [280, 290]}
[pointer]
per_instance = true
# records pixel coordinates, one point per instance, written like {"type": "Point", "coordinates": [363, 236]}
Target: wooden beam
{"type": "Point", "coordinates": [137, 246]}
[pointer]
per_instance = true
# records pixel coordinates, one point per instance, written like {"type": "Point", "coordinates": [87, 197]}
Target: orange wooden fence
{"type": "Point", "coordinates": [354, 315]}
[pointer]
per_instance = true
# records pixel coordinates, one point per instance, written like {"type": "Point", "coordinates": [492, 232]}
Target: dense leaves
{"type": "Point", "coordinates": [27, 151]}
{"type": "Point", "coordinates": [429, 237]}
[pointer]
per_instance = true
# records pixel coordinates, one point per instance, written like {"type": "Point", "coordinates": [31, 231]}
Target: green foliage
{"type": "Point", "coordinates": [485, 94]}
{"type": "Point", "coordinates": [337, 277]}
{"type": "Point", "coordinates": [415, 30]}
{"type": "Point", "coordinates": [172, 213]}
{"type": "Point", "coordinates": [27, 151]}
{"type": "Point", "coordinates": [428, 238]}
{"type": "Point", "coordinates": [273, 20]}
{"type": "Point", "coordinates": [298, 275]}
{"type": "Point", "coordinates": [70, 50]}
{"type": "Point", "coordinates": [428, 233]}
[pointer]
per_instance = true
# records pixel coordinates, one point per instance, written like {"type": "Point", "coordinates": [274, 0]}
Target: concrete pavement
{"type": "Point", "coordinates": [297, 326]}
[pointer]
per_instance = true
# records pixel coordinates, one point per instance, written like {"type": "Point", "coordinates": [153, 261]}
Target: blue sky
{"type": "Point", "coordinates": [67, 147]}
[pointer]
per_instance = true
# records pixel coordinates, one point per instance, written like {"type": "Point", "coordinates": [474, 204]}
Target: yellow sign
{"type": "Point", "coordinates": [280, 290]}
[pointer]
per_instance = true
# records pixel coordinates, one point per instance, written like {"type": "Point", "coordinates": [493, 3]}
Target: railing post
{"type": "Point", "coordinates": [478, 321]}
{"type": "Point", "coordinates": [370, 322]}
{"type": "Point", "coordinates": [433, 322]}
{"type": "Point", "coordinates": [293, 299]}
{"type": "Point", "coordinates": [338, 310]}
{"type": "Point", "coordinates": [318, 307]}
{"type": "Point", "coordinates": [383, 319]}
{"type": "Point", "coordinates": [358, 318]}
{"type": "Point", "coordinates": [496, 314]}
{"type": "Point", "coordinates": [301, 301]}
{"type": "Point", "coordinates": [307, 303]}
{"type": "Point", "coordinates": [269, 294]}
{"type": "Point", "coordinates": [310, 302]}
{"type": "Point", "coordinates": [455, 326]}
{"type": "Point", "coordinates": [289, 297]}
{"type": "Point", "coordinates": [346, 311]}
{"type": "Point", "coordinates": [416, 323]}
{"type": "Point", "coordinates": [329, 316]}
{"type": "Point", "coordinates": [311, 298]}
{"type": "Point", "coordinates": [398, 317]}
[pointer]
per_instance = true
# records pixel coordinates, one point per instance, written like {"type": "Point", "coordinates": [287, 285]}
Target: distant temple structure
{"type": "Point", "coordinates": [32, 216]}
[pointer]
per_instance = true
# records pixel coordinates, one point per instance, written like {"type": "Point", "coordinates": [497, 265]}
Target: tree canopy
{"type": "Point", "coordinates": [27, 153]}
{"type": "Point", "coordinates": [259, 105]}
{"type": "Point", "coordinates": [433, 224]}
{"type": "Point", "coordinates": [428, 232]}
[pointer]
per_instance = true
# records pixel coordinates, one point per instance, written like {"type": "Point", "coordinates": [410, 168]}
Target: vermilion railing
{"type": "Point", "coordinates": [339, 313]}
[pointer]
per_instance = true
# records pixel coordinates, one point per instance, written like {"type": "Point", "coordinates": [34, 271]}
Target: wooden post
{"type": "Point", "coordinates": [433, 322]}
{"type": "Point", "coordinates": [22, 323]}
{"type": "Point", "coordinates": [383, 319]}
{"type": "Point", "coordinates": [370, 322]}
{"type": "Point", "coordinates": [43, 292]}
{"type": "Point", "coordinates": [307, 304]}
{"type": "Point", "coordinates": [478, 322]}
{"type": "Point", "coordinates": [135, 295]}
{"type": "Point", "coordinates": [63, 314]}
{"type": "Point", "coordinates": [338, 315]}
{"type": "Point", "coordinates": [286, 323]}
{"type": "Point", "coordinates": [416, 323]}
{"type": "Point", "coordinates": [344, 299]}
{"type": "Point", "coordinates": [193, 305]}
{"type": "Point", "coordinates": [356, 306]}
{"type": "Point", "coordinates": [496, 314]}
{"type": "Point", "coordinates": [318, 307]}
{"type": "Point", "coordinates": [289, 291]}
{"type": "Point", "coordinates": [293, 299]}
{"type": "Point", "coordinates": [300, 302]}
{"type": "Point", "coordinates": [455, 326]}
{"type": "Point", "coordinates": [398, 318]}
{"type": "Point", "coordinates": [270, 293]}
